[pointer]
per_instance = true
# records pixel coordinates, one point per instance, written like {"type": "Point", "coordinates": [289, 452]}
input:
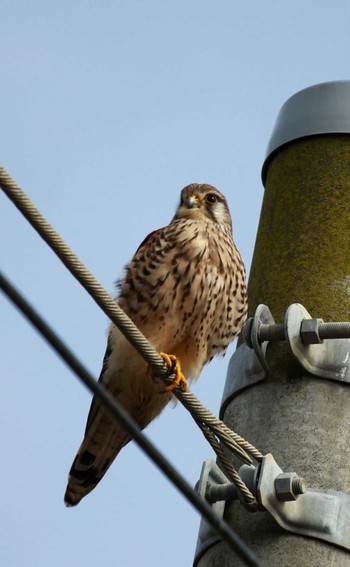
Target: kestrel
{"type": "Point", "coordinates": [185, 289]}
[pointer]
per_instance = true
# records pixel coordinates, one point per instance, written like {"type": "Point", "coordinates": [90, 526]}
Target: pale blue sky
{"type": "Point", "coordinates": [107, 110]}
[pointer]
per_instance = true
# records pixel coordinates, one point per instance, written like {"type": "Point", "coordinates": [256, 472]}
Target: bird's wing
{"type": "Point", "coordinates": [86, 469]}
{"type": "Point", "coordinates": [95, 405]}
{"type": "Point", "coordinates": [124, 374]}
{"type": "Point", "coordinates": [146, 241]}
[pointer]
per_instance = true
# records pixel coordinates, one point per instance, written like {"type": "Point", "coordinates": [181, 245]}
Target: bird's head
{"type": "Point", "coordinates": [201, 202]}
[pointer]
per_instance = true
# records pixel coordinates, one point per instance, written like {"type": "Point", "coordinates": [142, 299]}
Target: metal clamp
{"type": "Point", "coordinates": [321, 514]}
{"type": "Point", "coordinates": [253, 332]}
{"type": "Point", "coordinates": [244, 370]}
{"type": "Point", "coordinates": [210, 475]}
{"type": "Point", "coordinates": [323, 349]}
{"type": "Point", "coordinates": [247, 365]}
{"type": "Point", "coordinates": [215, 487]}
{"type": "Point", "coordinates": [329, 358]}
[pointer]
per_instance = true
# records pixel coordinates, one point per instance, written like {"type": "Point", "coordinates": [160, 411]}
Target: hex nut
{"type": "Point", "coordinates": [289, 486]}
{"type": "Point", "coordinates": [309, 331]}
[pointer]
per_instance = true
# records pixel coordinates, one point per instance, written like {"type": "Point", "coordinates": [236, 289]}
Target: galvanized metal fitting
{"type": "Point", "coordinates": [322, 514]}
{"type": "Point", "coordinates": [289, 486]}
{"type": "Point", "coordinates": [306, 338]}
{"type": "Point", "coordinates": [217, 492]}
{"type": "Point", "coordinates": [312, 331]}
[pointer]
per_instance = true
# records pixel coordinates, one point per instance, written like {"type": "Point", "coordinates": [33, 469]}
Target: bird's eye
{"type": "Point", "coordinates": [211, 199]}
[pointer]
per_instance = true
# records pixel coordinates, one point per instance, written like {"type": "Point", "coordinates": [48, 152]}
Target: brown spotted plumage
{"type": "Point", "coordinates": [185, 289]}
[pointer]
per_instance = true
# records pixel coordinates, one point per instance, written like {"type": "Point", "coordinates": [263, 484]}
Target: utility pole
{"type": "Point", "coordinates": [302, 256]}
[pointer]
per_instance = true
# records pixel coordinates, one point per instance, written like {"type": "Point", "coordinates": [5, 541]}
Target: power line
{"type": "Point", "coordinates": [118, 413]}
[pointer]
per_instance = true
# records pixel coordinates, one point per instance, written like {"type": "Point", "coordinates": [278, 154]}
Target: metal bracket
{"type": "Point", "coordinates": [321, 514]}
{"type": "Point", "coordinates": [247, 365]}
{"type": "Point", "coordinates": [252, 332]}
{"type": "Point", "coordinates": [244, 370]}
{"type": "Point", "coordinates": [327, 359]}
{"type": "Point", "coordinates": [216, 488]}
{"type": "Point", "coordinates": [210, 475]}
{"type": "Point", "coordinates": [316, 345]}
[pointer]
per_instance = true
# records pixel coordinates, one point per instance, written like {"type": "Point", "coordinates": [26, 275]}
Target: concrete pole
{"type": "Point", "coordinates": [302, 254]}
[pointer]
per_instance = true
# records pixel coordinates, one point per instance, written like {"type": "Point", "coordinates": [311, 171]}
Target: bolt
{"type": "Point", "coordinates": [289, 486]}
{"type": "Point", "coordinates": [273, 332]}
{"type": "Point", "coordinates": [310, 331]}
{"type": "Point", "coordinates": [299, 485]}
{"type": "Point", "coordinates": [218, 492]}
{"type": "Point", "coordinates": [265, 332]}
{"type": "Point", "coordinates": [335, 330]}
{"type": "Point", "coordinates": [313, 331]}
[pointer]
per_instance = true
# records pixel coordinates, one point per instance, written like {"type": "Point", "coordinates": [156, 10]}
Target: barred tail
{"type": "Point", "coordinates": [102, 443]}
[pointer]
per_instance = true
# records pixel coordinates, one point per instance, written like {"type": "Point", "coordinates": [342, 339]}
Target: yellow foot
{"type": "Point", "coordinates": [174, 366]}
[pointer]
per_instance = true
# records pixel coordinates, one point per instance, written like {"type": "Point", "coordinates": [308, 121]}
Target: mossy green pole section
{"type": "Point", "coordinates": [302, 254]}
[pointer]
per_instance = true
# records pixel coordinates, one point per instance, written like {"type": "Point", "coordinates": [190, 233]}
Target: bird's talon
{"type": "Point", "coordinates": [174, 366]}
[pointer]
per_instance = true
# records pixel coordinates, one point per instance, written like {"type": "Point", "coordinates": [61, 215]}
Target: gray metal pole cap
{"type": "Point", "coordinates": [320, 109]}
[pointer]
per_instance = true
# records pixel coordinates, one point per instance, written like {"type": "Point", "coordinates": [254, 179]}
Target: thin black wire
{"type": "Point", "coordinates": [118, 413]}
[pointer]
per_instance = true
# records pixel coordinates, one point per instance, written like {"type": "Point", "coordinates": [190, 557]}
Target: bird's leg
{"type": "Point", "coordinates": [174, 366]}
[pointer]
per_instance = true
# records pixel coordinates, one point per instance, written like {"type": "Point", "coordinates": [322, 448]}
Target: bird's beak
{"type": "Point", "coordinates": [193, 201]}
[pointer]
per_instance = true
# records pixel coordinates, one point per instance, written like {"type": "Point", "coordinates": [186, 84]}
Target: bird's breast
{"type": "Point", "coordinates": [184, 288]}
